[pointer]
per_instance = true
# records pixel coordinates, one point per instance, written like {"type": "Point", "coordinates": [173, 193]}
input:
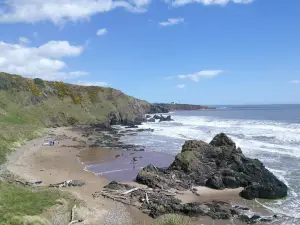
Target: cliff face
{"type": "Point", "coordinates": [173, 107]}
{"type": "Point", "coordinates": [56, 103]}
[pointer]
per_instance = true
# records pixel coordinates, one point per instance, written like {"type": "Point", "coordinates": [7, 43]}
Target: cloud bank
{"type": "Point", "coordinates": [43, 61]}
{"type": "Point", "coordinates": [60, 11]}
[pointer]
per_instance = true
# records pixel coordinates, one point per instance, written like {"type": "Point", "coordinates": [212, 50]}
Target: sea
{"type": "Point", "coordinates": [270, 133]}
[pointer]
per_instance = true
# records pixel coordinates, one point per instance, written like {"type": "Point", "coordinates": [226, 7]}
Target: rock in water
{"type": "Point", "coordinates": [151, 120]}
{"type": "Point", "coordinates": [219, 164]}
{"type": "Point", "coordinates": [168, 118]}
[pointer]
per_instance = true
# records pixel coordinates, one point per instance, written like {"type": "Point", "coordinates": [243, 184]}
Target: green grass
{"type": "Point", "coordinates": [173, 220]}
{"type": "Point", "coordinates": [12, 120]}
{"type": "Point", "coordinates": [16, 202]}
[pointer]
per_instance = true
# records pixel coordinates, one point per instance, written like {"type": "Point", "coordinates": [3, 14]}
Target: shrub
{"type": "Point", "coordinates": [63, 90]}
{"type": "Point", "coordinates": [33, 88]}
{"type": "Point", "coordinates": [72, 120]}
{"type": "Point", "coordinates": [39, 82]}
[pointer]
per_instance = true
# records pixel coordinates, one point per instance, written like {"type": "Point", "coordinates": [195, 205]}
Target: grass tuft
{"type": "Point", "coordinates": [17, 202]}
{"type": "Point", "coordinates": [173, 220]}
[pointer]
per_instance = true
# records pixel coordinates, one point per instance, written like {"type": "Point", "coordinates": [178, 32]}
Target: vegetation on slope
{"type": "Point", "coordinates": [29, 104]}
{"type": "Point", "coordinates": [16, 202]}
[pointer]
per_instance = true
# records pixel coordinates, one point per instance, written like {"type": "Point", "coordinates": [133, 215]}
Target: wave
{"type": "Point", "coordinates": [268, 136]}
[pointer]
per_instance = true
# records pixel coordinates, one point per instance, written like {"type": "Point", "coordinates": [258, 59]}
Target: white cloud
{"type": "Point", "coordinates": [43, 61]}
{"type": "Point", "coordinates": [57, 49]}
{"type": "Point", "coordinates": [206, 2]}
{"type": "Point", "coordinates": [198, 75]}
{"type": "Point", "coordinates": [171, 21]}
{"type": "Point", "coordinates": [24, 40]}
{"type": "Point", "coordinates": [60, 11]}
{"type": "Point", "coordinates": [102, 31]}
{"type": "Point", "coordinates": [295, 81]}
{"type": "Point", "coordinates": [180, 86]}
{"type": "Point", "coordinates": [97, 83]}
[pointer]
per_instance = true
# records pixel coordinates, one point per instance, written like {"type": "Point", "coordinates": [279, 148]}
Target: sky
{"type": "Point", "coordinates": [213, 52]}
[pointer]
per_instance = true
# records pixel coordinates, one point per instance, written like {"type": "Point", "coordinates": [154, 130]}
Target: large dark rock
{"type": "Point", "coordinates": [266, 191]}
{"type": "Point", "coordinates": [168, 118]}
{"type": "Point", "coordinates": [218, 165]}
{"type": "Point", "coordinates": [157, 117]}
{"type": "Point", "coordinates": [113, 118]}
{"type": "Point", "coordinates": [151, 120]}
{"type": "Point", "coordinates": [155, 177]}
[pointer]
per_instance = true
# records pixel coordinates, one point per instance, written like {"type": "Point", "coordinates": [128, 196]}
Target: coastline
{"type": "Point", "coordinates": [68, 160]}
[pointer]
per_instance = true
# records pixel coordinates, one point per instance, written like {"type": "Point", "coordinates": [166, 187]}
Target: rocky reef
{"type": "Point", "coordinates": [219, 164]}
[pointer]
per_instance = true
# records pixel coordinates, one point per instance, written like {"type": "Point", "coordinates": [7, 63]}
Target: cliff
{"type": "Point", "coordinates": [57, 103]}
{"type": "Point", "coordinates": [173, 107]}
{"type": "Point", "coordinates": [26, 105]}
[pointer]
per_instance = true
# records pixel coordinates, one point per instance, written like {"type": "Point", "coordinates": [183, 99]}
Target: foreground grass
{"type": "Point", "coordinates": [173, 220]}
{"type": "Point", "coordinates": [16, 202]}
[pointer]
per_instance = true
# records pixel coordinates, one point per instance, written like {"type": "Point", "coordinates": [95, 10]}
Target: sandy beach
{"type": "Point", "coordinates": [68, 160]}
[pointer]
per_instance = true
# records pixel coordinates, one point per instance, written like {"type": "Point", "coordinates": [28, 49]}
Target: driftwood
{"type": "Point", "coordinates": [21, 182]}
{"type": "Point", "coordinates": [134, 189]}
{"type": "Point", "coordinates": [72, 221]}
{"type": "Point", "coordinates": [118, 199]}
{"type": "Point", "coordinates": [147, 199]}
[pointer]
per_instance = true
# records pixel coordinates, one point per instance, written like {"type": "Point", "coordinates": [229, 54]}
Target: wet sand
{"type": "Point", "coordinates": [122, 166]}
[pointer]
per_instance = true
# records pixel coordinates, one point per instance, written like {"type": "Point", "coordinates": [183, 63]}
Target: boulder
{"type": "Point", "coordinates": [148, 116]}
{"type": "Point", "coordinates": [151, 120]}
{"type": "Point", "coordinates": [156, 117]}
{"type": "Point", "coordinates": [266, 191]}
{"type": "Point", "coordinates": [113, 119]}
{"type": "Point", "coordinates": [168, 118]}
{"type": "Point", "coordinates": [219, 164]}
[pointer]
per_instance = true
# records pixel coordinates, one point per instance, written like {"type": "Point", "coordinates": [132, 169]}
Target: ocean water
{"type": "Point", "coordinates": [270, 133]}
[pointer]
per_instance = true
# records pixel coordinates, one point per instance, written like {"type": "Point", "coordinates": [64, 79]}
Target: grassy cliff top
{"type": "Point", "coordinates": [29, 104]}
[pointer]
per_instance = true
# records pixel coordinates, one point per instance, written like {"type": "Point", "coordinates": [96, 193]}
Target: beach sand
{"type": "Point", "coordinates": [67, 161]}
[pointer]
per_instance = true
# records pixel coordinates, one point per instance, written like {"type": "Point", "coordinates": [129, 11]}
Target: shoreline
{"type": "Point", "coordinates": [54, 164]}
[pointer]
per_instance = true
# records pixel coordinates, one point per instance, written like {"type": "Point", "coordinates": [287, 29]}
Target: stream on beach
{"type": "Point", "coordinates": [270, 133]}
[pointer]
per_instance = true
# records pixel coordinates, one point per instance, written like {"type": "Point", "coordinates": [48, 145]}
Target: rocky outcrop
{"type": "Point", "coordinates": [151, 120]}
{"type": "Point", "coordinates": [163, 119]}
{"type": "Point", "coordinates": [219, 164]}
{"type": "Point", "coordinates": [156, 202]}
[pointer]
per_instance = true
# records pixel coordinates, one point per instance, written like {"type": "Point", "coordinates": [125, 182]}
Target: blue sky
{"type": "Point", "coordinates": [187, 51]}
